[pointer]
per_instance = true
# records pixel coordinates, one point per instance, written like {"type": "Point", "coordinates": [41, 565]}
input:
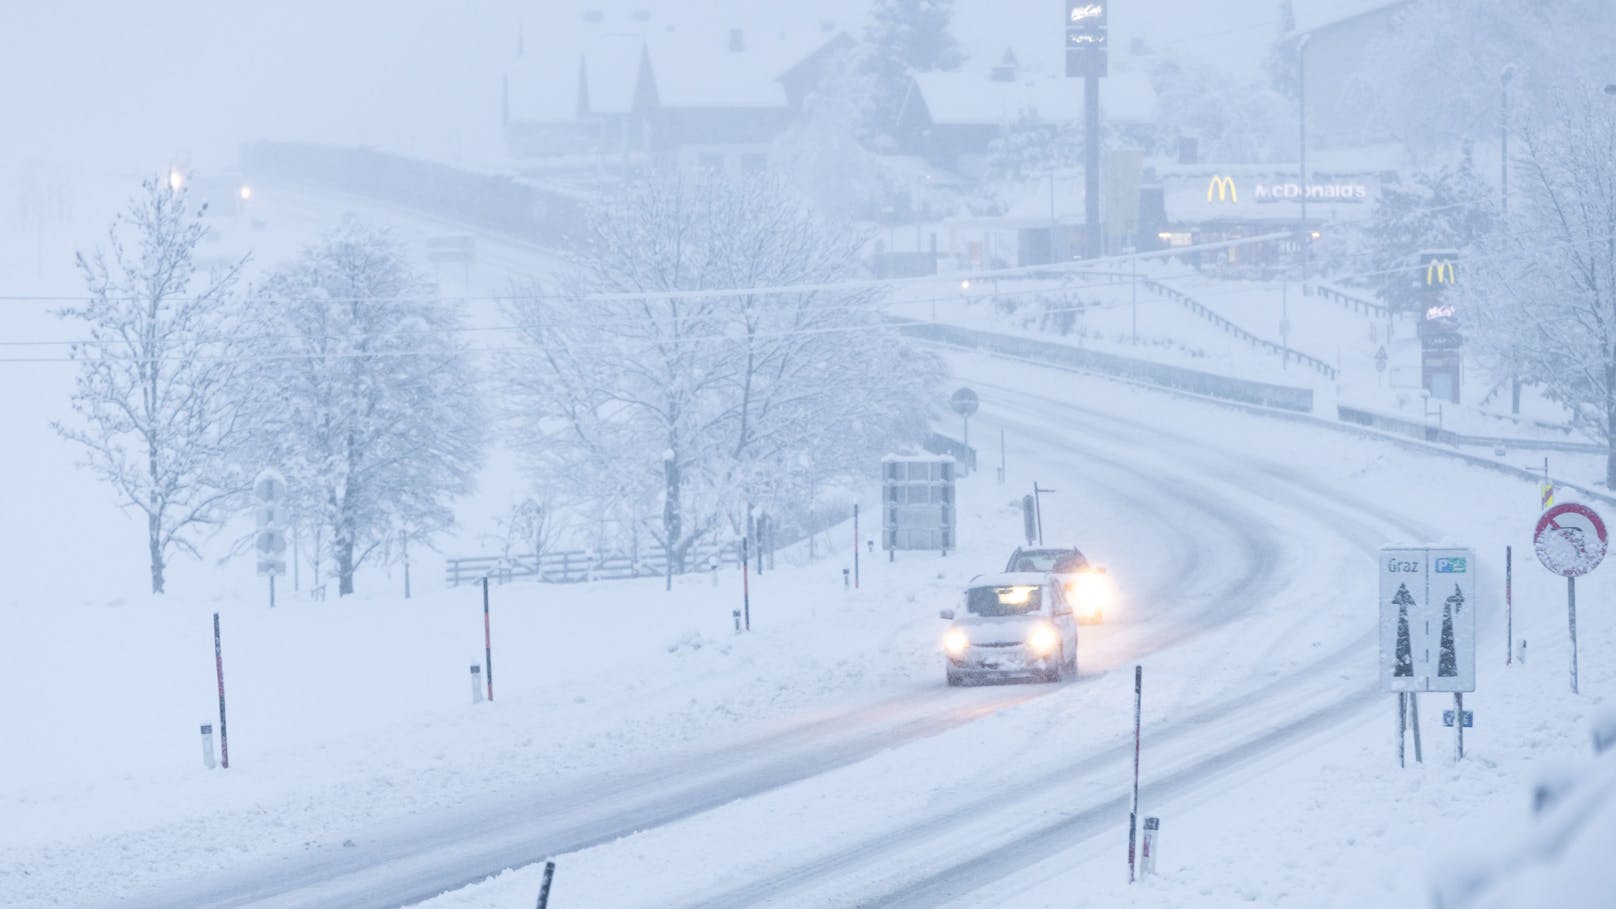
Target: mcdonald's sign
{"type": "Point", "coordinates": [1224, 188]}
{"type": "Point", "coordinates": [1438, 271]}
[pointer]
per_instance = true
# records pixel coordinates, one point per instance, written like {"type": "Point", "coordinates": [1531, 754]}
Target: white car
{"type": "Point", "coordinates": [1016, 624]}
{"type": "Point", "coordinates": [1088, 587]}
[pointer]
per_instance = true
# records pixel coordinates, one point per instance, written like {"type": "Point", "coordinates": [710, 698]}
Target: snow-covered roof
{"type": "Point", "coordinates": [964, 98]}
{"type": "Point", "coordinates": [1312, 15]}
{"type": "Point", "coordinates": [714, 54]}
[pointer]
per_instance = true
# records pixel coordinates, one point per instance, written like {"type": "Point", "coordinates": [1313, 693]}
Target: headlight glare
{"type": "Point", "coordinates": [955, 642]}
{"type": "Point", "coordinates": [1043, 640]}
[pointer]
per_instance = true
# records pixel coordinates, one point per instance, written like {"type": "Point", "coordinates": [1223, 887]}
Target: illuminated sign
{"type": "Point", "coordinates": [1087, 36]}
{"type": "Point", "coordinates": [1439, 312]}
{"type": "Point", "coordinates": [1438, 271]}
{"type": "Point", "coordinates": [1224, 188]}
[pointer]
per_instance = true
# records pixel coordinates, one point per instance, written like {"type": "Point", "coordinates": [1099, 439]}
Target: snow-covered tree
{"type": "Point", "coordinates": [1232, 122]}
{"type": "Point", "coordinates": [1432, 78]}
{"type": "Point", "coordinates": [156, 388]}
{"type": "Point", "coordinates": [654, 395]}
{"type": "Point", "coordinates": [1446, 208]}
{"type": "Point", "coordinates": [904, 37]}
{"type": "Point", "coordinates": [368, 405]}
{"type": "Point", "coordinates": [1544, 292]}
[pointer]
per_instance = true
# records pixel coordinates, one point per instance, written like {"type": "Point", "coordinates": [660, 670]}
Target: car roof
{"type": "Point", "coordinates": [1059, 550]}
{"type": "Point", "coordinates": [1010, 579]}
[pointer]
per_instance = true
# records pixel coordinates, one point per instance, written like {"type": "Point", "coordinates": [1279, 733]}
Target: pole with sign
{"type": "Point", "coordinates": [1427, 626]}
{"type": "Point", "coordinates": [1087, 45]}
{"type": "Point", "coordinates": [965, 403]}
{"type": "Point", "coordinates": [269, 494]}
{"type": "Point", "coordinates": [1570, 541]}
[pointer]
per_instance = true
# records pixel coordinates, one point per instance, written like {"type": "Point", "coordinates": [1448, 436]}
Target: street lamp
{"type": "Point", "coordinates": [175, 179]}
{"type": "Point", "coordinates": [1301, 128]}
{"type": "Point", "coordinates": [1503, 197]}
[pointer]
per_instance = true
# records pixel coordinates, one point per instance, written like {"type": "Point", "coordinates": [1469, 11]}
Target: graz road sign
{"type": "Point", "coordinates": [1570, 540]}
{"type": "Point", "coordinates": [1427, 619]}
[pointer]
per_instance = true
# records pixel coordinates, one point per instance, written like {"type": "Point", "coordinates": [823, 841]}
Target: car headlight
{"type": "Point", "coordinates": [955, 642]}
{"type": "Point", "coordinates": [1090, 592]}
{"type": "Point", "coordinates": [1043, 640]}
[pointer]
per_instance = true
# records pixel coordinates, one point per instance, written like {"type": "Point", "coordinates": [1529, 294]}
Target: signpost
{"type": "Point", "coordinates": [1570, 541]}
{"type": "Point", "coordinates": [965, 403]}
{"type": "Point", "coordinates": [1087, 45]}
{"type": "Point", "coordinates": [1427, 627]}
{"type": "Point", "coordinates": [269, 494]}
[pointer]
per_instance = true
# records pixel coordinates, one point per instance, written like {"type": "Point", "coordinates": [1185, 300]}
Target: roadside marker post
{"type": "Point", "coordinates": [855, 547]}
{"type": "Point", "coordinates": [488, 641]}
{"type": "Point", "coordinates": [1509, 605]}
{"type": "Point", "coordinates": [1133, 812]}
{"type": "Point", "coordinates": [207, 745]}
{"type": "Point", "coordinates": [218, 668]}
{"type": "Point", "coordinates": [746, 589]}
{"type": "Point", "coordinates": [544, 888]}
{"type": "Point", "coordinates": [1149, 845]}
{"type": "Point", "coordinates": [476, 684]}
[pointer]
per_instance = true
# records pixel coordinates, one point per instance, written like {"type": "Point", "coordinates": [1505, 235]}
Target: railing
{"type": "Point", "coordinates": [1203, 383]}
{"type": "Point", "coordinates": [1350, 299]}
{"type": "Point", "coordinates": [575, 565]}
{"type": "Point", "coordinates": [1432, 433]}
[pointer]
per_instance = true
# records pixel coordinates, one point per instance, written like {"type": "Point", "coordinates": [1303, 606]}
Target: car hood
{"type": "Point", "coordinates": [1009, 629]}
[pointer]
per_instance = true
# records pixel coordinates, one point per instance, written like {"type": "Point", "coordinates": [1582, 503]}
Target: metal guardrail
{"type": "Point", "coordinates": [576, 565]}
{"type": "Point", "coordinates": [1194, 381]}
{"type": "Point", "coordinates": [1418, 430]}
{"type": "Point", "coordinates": [1349, 299]}
{"type": "Point", "coordinates": [1231, 328]}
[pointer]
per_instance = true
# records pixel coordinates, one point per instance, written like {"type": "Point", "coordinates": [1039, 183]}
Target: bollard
{"type": "Point", "coordinates": [207, 745]}
{"type": "Point", "coordinates": [476, 684]}
{"type": "Point", "coordinates": [1152, 842]}
{"type": "Point", "coordinates": [737, 614]}
{"type": "Point", "coordinates": [847, 579]}
{"type": "Point", "coordinates": [1522, 658]}
{"type": "Point", "coordinates": [544, 887]}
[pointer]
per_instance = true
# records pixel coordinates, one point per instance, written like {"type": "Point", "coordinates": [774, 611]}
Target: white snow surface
{"type": "Point", "coordinates": [1243, 548]}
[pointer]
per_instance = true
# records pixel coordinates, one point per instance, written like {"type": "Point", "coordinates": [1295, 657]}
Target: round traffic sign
{"type": "Point", "coordinates": [964, 402]}
{"type": "Point", "coordinates": [1570, 539]}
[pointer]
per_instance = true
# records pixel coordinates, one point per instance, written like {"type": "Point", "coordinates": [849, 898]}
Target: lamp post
{"type": "Point", "coordinates": [1301, 128]}
{"type": "Point", "coordinates": [1503, 197]}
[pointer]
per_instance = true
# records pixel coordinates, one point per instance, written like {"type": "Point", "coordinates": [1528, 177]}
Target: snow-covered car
{"type": "Point", "coordinates": [1016, 624]}
{"type": "Point", "coordinates": [1088, 587]}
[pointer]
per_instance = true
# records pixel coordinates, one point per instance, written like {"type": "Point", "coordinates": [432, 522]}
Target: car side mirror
{"type": "Point", "coordinates": [947, 614]}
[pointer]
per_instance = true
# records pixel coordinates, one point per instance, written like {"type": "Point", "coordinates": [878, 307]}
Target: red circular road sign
{"type": "Point", "coordinates": [1570, 539]}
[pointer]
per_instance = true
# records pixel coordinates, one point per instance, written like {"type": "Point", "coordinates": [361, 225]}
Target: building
{"type": "Point", "coordinates": [698, 93]}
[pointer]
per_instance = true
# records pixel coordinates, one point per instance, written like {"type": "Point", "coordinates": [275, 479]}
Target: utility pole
{"type": "Point", "coordinates": [1301, 121]}
{"type": "Point", "coordinates": [1503, 199]}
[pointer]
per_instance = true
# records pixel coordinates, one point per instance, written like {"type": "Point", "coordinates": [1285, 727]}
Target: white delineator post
{"type": "Point", "coordinates": [1149, 845]}
{"type": "Point", "coordinates": [1133, 812]}
{"type": "Point", "coordinates": [207, 745]}
{"type": "Point", "coordinates": [476, 684]}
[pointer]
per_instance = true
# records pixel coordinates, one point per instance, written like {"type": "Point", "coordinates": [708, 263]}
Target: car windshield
{"type": "Point", "coordinates": [996, 601]}
{"type": "Point", "coordinates": [1048, 560]}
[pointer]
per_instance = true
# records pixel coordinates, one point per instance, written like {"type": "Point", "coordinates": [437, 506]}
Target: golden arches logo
{"type": "Point", "coordinates": [1439, 271]}
{"type": "Point", "coordinates": [1224, 188]}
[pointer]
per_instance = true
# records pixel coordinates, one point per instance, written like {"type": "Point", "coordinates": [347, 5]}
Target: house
{"type": "Point", "coordinates": [953, 119]}
{"type": "Point", "coordinates": [706, 92]}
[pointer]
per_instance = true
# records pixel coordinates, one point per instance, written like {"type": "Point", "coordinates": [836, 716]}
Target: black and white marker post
{"type": "Point", "coordinates": [218, 668]}
{"type": "Point", "coordinates": [488, 642]}
{"type": "Point", "coordinates": [544, 887]}
{"type": "Point", "coordinates": [855, 547]}
{"type": "Point", "coordinates": [1509, 605]}
{"type": "Point", "coordinates": [1133, 813]}
{"type": "Point", "coordinates": [746, 590]}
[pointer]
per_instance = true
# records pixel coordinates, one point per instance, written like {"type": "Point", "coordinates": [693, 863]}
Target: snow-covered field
{"type": "Point", "coordinates": [818, 760]}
